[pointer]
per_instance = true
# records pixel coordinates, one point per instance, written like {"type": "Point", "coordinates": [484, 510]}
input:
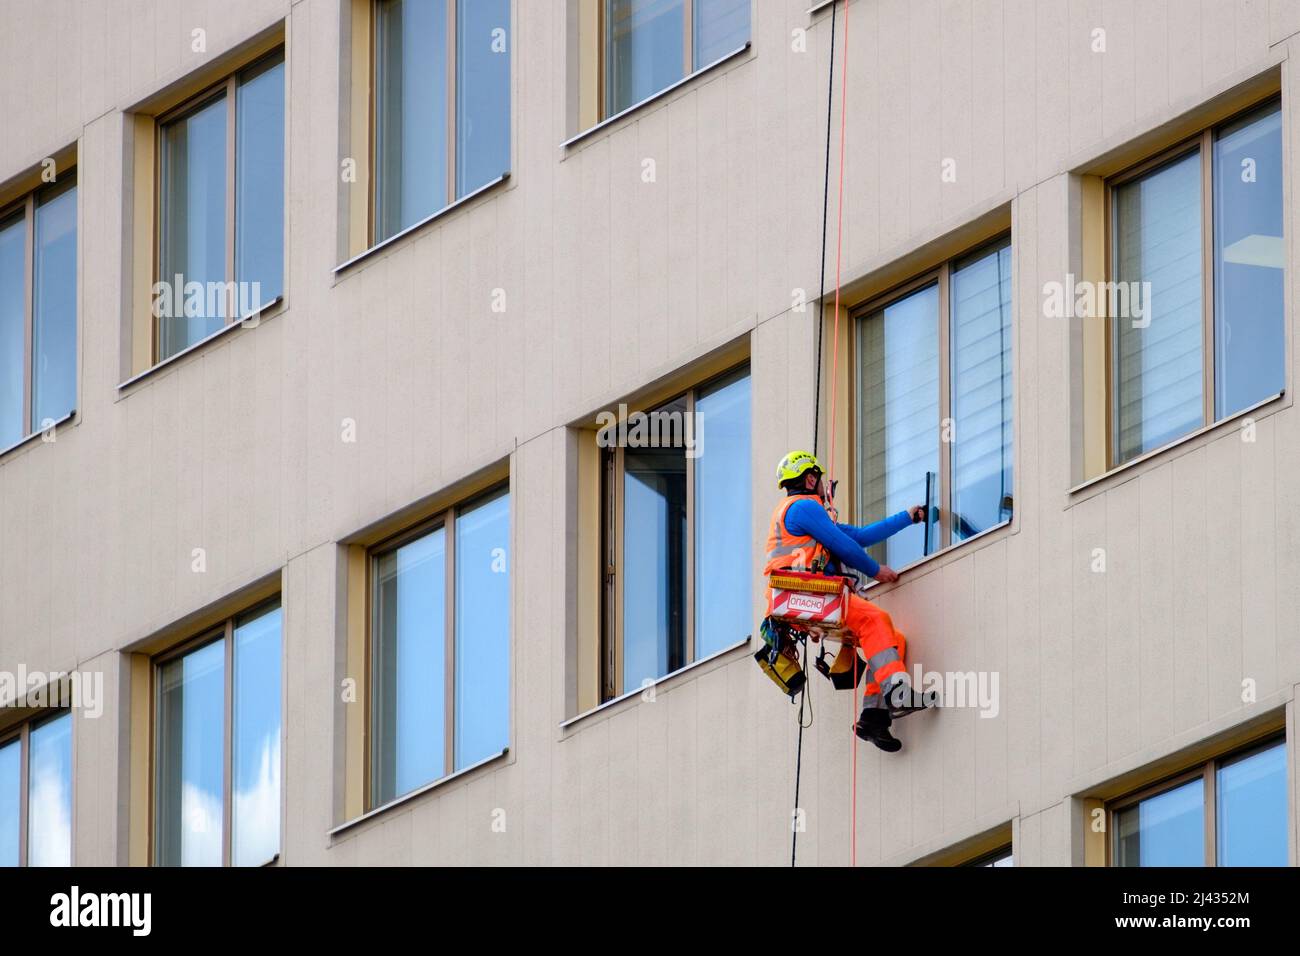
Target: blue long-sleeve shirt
{"type": "Point", "coordinates": [845, 542]}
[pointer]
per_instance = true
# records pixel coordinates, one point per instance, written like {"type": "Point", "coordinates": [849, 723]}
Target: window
{"type": "Point", "coordinates": [431, 145]}
{"type": "Point", "coordinates": [677, 533]}
{"type": "Point", "coordinates": [221, 207]}
{"type": "Point", "coordinates": [651, 44]}
{"type": "Point", "coordinates": [217, 732]}
{"type": "Point", "coordinates": [38, 311]}
{"type": "Point", "coordinates": [36, 793]}
{"type": "Point", "coordinates": [440, 647]}
{"type": "Point", "coordinates": [1210, 340]}
{"type": "Point", "coordinates": [1000, 857]}
{"type": "Point", "coordinates": [1229, 812]}
{"type": "Point", "coordinates": [934, 404]}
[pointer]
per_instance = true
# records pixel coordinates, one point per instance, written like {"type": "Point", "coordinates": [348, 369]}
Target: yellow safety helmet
{"type": "Point", "coordinates": [795, 464]}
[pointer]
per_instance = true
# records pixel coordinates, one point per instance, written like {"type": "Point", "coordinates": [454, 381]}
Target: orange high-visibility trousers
{"type": "Point", "coordinates": [881, 644]}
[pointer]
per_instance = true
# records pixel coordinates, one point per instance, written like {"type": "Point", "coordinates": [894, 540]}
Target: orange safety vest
{"type": "Point", "coordinates": [786, 550]}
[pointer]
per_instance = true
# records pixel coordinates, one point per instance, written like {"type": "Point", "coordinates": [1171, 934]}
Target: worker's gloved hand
{"type": "Point", "coordinates": [886, 574]}
{"type": "Point", "coordinates": [917, 513]}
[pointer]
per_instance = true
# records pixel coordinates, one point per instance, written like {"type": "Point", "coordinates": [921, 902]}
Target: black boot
{"type": "Point", "coordinates": [873, 725]}
{"type": "Point", "coordinates": [903, 700]}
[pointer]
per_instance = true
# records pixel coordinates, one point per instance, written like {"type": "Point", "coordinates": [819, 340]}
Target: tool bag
{"type": "Point", "coordinates": [778, 658]}
{"type": "Point", "coordinates": [844, 672]}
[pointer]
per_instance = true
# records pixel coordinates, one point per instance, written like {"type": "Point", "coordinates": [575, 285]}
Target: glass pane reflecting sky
{"type": "Point", "coordinates": [898, 434]}
{"type": "Point", "coordinates": [10, 784]}
{"type": "Point", "coordinates": [644, 52]}
{"type": "Point", "coordinates": [1249, 259]}
{"type": "Point", "coordinates": [1164, 830]}
{"type": "Point", "coordinates": [1251, 826]}
{"type": "Point", "coordinates": [721, 26]}
{"type": "Point", "coordinates": [259, 186]}
{"type": "Point", "coordinates": [13, 334]}
{"type": "Point", "coordinates": [193, 243]}
{"type": "Point", "coordinates": [1158, 371]}
{"type": "Point", "coordinates": [482, 92]}
{"type": "Point", "coordinates": [410, 112]}
{"type": "Point", "coordinates": [723, 516]}
{"type": "Point", "coordinates": [981, 392]}
{"type": "Point", "coordinates": [190, 759]}
{"type": "Point", "coordinates": [409, 721]}
{"type": "Point", "coordinates": [49, 793]}
{"type": "Point", "coordinates": [255, 793]}
{"type": "Point", "coordinates": [54, 309]}
{"type": "Point", "coordinates": [482, 725]}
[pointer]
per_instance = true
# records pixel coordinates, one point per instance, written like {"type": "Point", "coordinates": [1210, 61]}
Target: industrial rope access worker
{"type": "Point", "coordinates": [803, 537]}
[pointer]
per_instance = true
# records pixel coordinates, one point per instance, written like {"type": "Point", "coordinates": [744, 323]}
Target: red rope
{"type": "Point", "coordinates": [853, 824]}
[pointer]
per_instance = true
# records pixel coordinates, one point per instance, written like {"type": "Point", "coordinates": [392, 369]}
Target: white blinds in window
{"type": "Point", "coordinates": [981, 391]}
{"type": "Point", "coordinates": [1158, 368]}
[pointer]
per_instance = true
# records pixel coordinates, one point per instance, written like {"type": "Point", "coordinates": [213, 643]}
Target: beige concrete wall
{"type": "Point", "coordinates": [611, 284]}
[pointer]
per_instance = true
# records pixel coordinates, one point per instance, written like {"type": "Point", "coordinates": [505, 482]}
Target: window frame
{"type": "Point", "coordinates": [444, 519]}
{"type": "Point", "coordinates": [688, 58]}
{"type": "Point", "coordinates": [1201, 143]}
{"type": "Point", "coordinates": [1207, 771]}
{"type": "Point", "coordinates": [940, 276]}
{"type": "Point", "coordinates": [227, 89]}
{"type": "Point", "coordinates": [612, 514]}
{"type": "Point", "coordinates": [26, 205]}
{"type": "Point", "coordinates": [989, 859]}
{"type": "Point", "coordinates": [22, 733]}
{"type": "Point", "coordinates": [223, 631]}
{"type": "Point", "coordinates": [373, 240]}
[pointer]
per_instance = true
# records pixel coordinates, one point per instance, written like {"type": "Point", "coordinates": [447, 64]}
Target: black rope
{"type": "Point", "coordinates": [817, 402]}
{"type": "Point", "coordinates": [798, 763]}
{"type": "Point", "coordinates": [826, 205]}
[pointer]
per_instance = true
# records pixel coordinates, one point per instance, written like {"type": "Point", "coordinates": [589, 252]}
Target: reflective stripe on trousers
{"type": "Point", "coordinates": [884, 646]}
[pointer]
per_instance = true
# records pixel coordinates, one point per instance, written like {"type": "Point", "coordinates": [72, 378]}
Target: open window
{"type": "Point", "coordinates": [676, 533]}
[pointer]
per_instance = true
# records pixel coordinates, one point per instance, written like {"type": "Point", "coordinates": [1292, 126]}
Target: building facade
{"type": "Point", "coordinates": [391, 394]}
